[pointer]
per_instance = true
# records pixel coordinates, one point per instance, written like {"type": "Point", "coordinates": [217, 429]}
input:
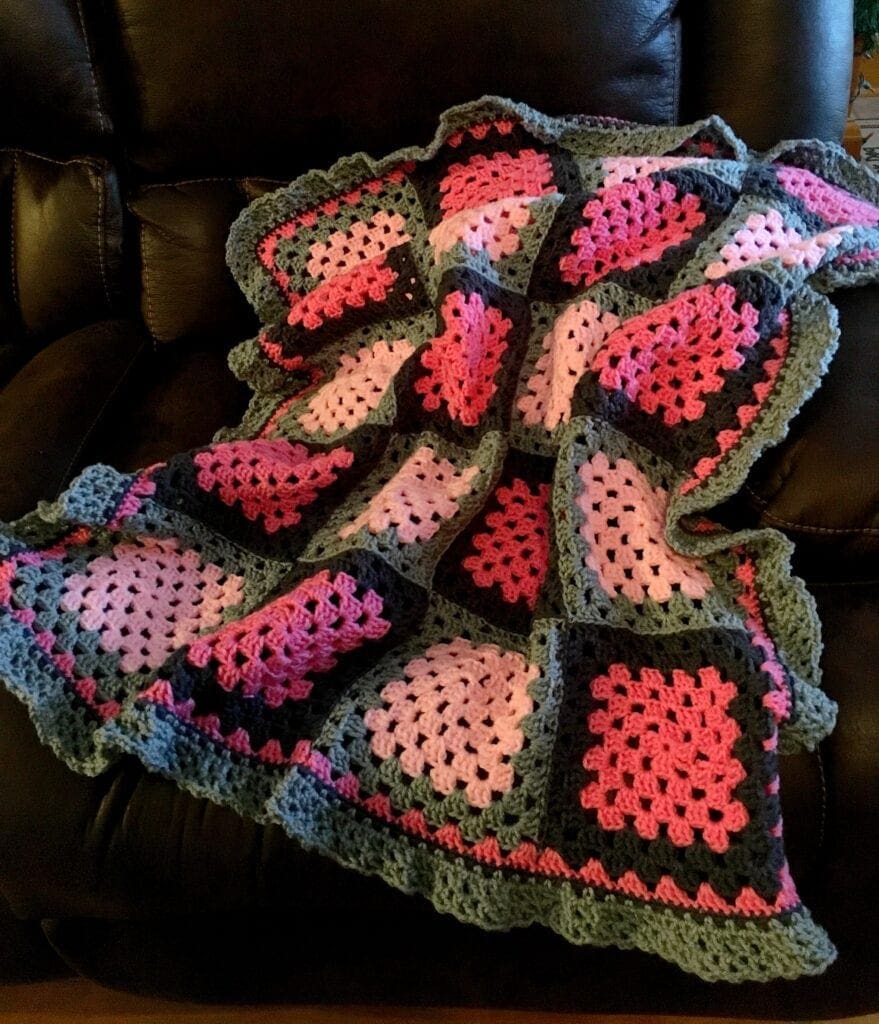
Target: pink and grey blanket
{"type": "Point", "coordinates": [450, 604]}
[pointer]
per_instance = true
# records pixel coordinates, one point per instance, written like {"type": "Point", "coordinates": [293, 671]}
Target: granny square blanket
{"type": "Point", "coordinates": [450, 604]}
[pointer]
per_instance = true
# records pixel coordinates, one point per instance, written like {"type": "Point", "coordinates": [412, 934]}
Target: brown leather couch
{"type": "Point", "coordinates": [132, 133]}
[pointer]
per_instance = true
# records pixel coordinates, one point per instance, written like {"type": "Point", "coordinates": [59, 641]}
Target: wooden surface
{"type": "Point", "coordinates": [75, 1001]}
{"type": "Point", "coordinates": [865, 113]}
{"type": "Point", "coordinates": [853, 139]}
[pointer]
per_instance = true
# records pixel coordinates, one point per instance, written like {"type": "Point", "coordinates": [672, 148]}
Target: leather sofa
{"type": "Point", "coordinates": [132, 133]}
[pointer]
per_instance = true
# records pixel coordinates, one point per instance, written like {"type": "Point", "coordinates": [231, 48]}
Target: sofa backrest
{"type": "Point", "coordinates": [271, 89]}
{"type": "Point", "coordinates": [275, 88]}
{"type": "Point", "coordinates": [166, 117]}
{"type": "Point", "coordinates": [60, 206]}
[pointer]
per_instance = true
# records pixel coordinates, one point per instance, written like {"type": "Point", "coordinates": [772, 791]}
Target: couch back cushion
{"type": "Point", "coordinates": [215, 92]}
{"type": "Point", "coordinates": [187, 290]}
{"type": "Point", "coordinates": [773, 69]}
{"type": "Point", "coordinates": [60, 209]}
{"type": "Point", "coordinates": [60, 267]}
{"type": "Point", "coordinates": [53, 99]}
{"type": "Point", "coordinates": [273, 88]}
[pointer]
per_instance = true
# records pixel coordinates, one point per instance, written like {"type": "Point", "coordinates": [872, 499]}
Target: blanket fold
{"type": "Point", "coordinates": [450, 603]}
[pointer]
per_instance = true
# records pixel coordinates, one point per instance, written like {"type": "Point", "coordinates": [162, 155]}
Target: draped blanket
{"type": "Point", "coordinates": [450, 604]}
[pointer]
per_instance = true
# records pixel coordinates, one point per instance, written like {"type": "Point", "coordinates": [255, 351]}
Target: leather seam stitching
{"type": "Point", "coordinates": [97, 165]}
{"type": "Point", "coordinates": [163, 233]}
{"type": "Point", "coordinates": [101, 118]}
{"type": "Point", "coordinates": [807, 527]}
{"type": "Point", "coordinates": [102, 239]}
{"type": "Point", "coordinates": [145, 252]}
{"type": "Point", "coordinates": [200, 181]}
{"type": "Point", "coordinates": [853, 531]}
{"type": "Point", "coordinates": [12, 255]}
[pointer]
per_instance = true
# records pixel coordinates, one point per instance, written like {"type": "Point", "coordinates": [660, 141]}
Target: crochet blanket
{"type": "Point", "coordinates": [450, 604]}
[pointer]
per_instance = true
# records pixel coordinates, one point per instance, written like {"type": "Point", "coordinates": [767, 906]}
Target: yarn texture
{"type": "Point", "coordinates": [450, 604]}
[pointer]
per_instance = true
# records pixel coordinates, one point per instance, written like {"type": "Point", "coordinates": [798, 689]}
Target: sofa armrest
{"type": "Point", "coordinates": [50, 407]}
{"type": "Point", "coordinates": [819, 485]}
